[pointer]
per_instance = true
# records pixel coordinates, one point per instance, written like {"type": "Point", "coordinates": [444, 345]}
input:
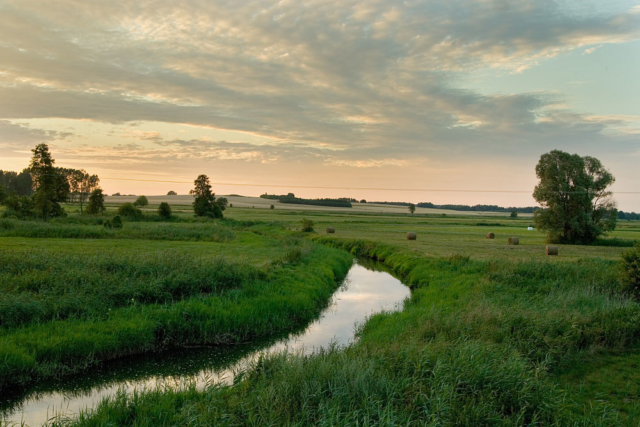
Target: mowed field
{"type": "Point", "coordinates": [183, 203]}
{"type": "Point", "coordinates": [493, 334]}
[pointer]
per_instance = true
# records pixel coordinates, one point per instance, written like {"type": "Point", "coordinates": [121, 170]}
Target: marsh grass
{"type": "Point", "coordinates": [65, 313]}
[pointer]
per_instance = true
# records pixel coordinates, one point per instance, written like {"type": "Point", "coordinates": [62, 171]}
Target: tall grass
{"type": "Point", "coordinates": [39, 286]}
{"type": "Point", "coordinates": [286, 297]}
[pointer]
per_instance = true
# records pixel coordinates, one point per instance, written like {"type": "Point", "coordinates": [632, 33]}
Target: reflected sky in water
{"type": "Point", "coordinates": [363, 293]}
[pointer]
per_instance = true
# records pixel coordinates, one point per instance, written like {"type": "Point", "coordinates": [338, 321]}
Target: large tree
{"type": "Point", "coordinates": [51, 188]}
{"type": "Point", "coordinates": [205, 203]}
{"type": "Point", "coordinates": [577, 207]}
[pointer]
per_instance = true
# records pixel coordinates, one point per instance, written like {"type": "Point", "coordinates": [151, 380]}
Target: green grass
{"type": "Point", "coordinates": [492, 335]}
{"type": "Point", "coordinates": [68, 304]}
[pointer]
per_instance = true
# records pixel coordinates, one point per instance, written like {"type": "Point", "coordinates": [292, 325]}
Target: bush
{"type": "Point", "coordinates": [129, 211]}
{"type": "Point", "coordinates": [141, 201]}
{"type": "Point", "coordinates": [116, 222]}
{"type": "Point", "coordinates": [164, 210]}
{"type": "Point", "coordinates": [272, 207]}
{"type": "Point", "coordinates": [630, 276]}
{"type": "Point", "coordinates": [307, 225]}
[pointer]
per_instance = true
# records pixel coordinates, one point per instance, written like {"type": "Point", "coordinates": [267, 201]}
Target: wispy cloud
{"type": "Point", "coordinates": [344, 82]}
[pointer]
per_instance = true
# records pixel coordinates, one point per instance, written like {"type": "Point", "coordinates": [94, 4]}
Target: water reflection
{"type": "Point", "coordinates": [368, 289]}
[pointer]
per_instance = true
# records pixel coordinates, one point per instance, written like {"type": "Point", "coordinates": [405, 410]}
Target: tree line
{"type": "Point", "coordinates": [39, 190]}
{"type": "Point", "coordinates": [290, 198]}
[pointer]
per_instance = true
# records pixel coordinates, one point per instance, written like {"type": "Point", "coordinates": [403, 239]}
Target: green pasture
{"type": "Point", "coordinates": [493, 334]}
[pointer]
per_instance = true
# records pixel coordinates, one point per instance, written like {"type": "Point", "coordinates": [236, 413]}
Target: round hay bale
{"type": "Point", "coordinates": [330, 230]}
{"type": "Point", "coordinates": [411, 236]}
{"type": "Point", "coordinates": [514, 241]}
{"type": "Point", "coordinates": [552, 250]}
{"type": "Point", "coordinates": [490, 236]}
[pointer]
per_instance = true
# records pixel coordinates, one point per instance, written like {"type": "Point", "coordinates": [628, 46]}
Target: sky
{"type": "Point", "coordinates": [450, 101]}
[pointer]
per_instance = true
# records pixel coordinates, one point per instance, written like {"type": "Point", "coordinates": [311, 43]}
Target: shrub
{"type": "Point", "coordinates": [307, 225]}
{"type": "Point", "coordinates": [129, 211]}
{"type": "Point", "coordinates": [172, 193]}
{"type": "Point", "coordinates": [116, 222]}
{"type": "Point", "coordinates": [164, 210]}
{"type": "Point", "coordinates": [630, 276]}
{"type": "Point", "coordinates": [272, 207]}
{"type": "Point", "coordinates": [96, 202]}
{"type": "Point", "coordinates": [141, 201]}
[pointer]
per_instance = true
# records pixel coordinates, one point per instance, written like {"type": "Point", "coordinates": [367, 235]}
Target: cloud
{"type": "Point", "coordinates": [367, 80]}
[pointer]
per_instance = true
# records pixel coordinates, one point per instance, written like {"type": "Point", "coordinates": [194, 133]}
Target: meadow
{"type": "Point", "coordinates": [493, 334]}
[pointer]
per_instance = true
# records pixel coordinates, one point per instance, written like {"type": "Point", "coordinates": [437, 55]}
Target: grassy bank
{"type": "Point", "coordinates": [63, 313]}
{"type": "Point", "coordinates": [480, 343]}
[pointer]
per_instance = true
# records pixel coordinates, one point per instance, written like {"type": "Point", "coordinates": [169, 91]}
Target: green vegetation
{"type": "Point", "coordinates": [164, 210]}
{"type": "Point", "coordinates": [630, 276]}
{"type": "Point", "coordinates": [96, 203]}
{"type": "Point", "coordinates": [69, 304]}
{"type": "Point", "coordinates": [205, 203]}
{"type": "Point", "coordinates": [577, 207]}
{"type": "Point", "coordinates": [492, 335]}
{"type": "Point", "coordinates": [141, 201]}
{"type": "Point", "coordinates": [307, 225]}
{"type": "Point", "coordinates": [291, 199]}
{"type": "Point", "coordinates": [128, 210]}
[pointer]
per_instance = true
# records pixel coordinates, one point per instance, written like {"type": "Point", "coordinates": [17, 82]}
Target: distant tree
{"type": "Point", "coordinates": [96, 203]}
{"type": "Point", "coordinates": [514, 214]}
{"type": "Point", "coordinates": [172, 193]}
{"type": "Point", "coordinates": [577, 207]}
{"type": "Point", "coordinates": [51, 188]}
{"type": "Point", "coordinates": [363, 201]}
{"type": "Point", "coordinates": [272, 207]}
{"type": "Point", "coordinates": [205, 200]}
{"type": "Point", "coordinates": [3, 193]}
{"type": "Point", "coordinates": [19, 184]}
{"type": "Point", "coordinates": [81, 185]}
{"type": "Point", "coordinates": [115, 194]}
{"type": "Point", "coordinates": [141, 201]}
{"type": "Point", "coordinates": [164, 210]}
{"type": "Point", "coordinates": [412, 208]}
{"type": "Point", "coordinates": [129, 211]}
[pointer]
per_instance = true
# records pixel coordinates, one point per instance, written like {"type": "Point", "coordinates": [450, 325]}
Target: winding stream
{"type": "Point", "coordinates": [365, 291]}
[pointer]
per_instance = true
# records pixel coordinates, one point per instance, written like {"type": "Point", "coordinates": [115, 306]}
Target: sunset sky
{"type": "Point", "coordinates": [416, 94]}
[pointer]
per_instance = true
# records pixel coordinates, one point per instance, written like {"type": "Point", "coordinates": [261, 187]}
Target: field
{"type": "Point", "coordinates": [493, 334]}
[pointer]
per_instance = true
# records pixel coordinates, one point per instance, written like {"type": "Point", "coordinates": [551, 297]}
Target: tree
{"type": "Point", "coordinates": [141, 201]}
{"type": "Point", "coordinates": [81, 185]}
{"type": "Point", "coordinates": [172, 193]}
{"type": "Point", "coordinates": [129, 211]}
{"type": "Point", "coordinates": [3, 193]}
{"type": "Point", "coordinates": [96, 202]}
{"type": "Point", "coordinates": [514, 214]}
{"type": "Point", "coordinates": [164, 210]}
{"type": "Point", "coordinates": [205, 203]}
{"type": "Point", "coordinates": [51, 188]}
{"type": "Point", "coordinates": [577, 208]}
{"type": "Point", "coordinates": [412, 208]}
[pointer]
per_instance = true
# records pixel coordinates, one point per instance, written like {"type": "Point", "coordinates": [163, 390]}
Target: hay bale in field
{"type": "Point", "coordinates": [490, 236]}
{"type": "Point", "coordinates": [411, 236]}
{"type": "Point", "coordinates": [330, 230]}
{"type": "Point", "coordinates": [514, 241]}
{"type": "Point", "coordinates": [552, 250]}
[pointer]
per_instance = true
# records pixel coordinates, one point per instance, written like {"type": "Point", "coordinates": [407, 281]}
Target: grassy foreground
{"type": "Point", "coordinates": [64, 308]}
{"type": "Point", "coordinates": [492, 335]}
{"type": "Point", "coordinates": [481, 342]}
